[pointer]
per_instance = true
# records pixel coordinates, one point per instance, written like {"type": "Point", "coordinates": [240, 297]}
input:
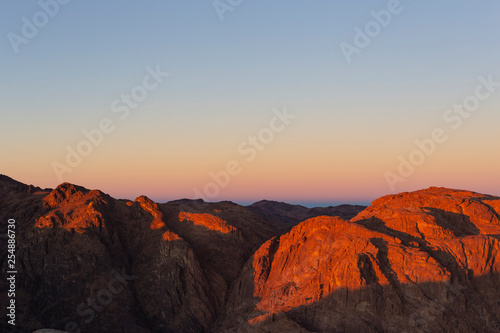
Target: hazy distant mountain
{"type": "Point", "coordinates": [426, 261]}
{"type": "Point", "coordinates": [287, 215]}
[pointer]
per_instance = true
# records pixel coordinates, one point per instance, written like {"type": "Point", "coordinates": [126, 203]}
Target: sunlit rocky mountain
{"type": "Point", "coordinates": [425, 261]}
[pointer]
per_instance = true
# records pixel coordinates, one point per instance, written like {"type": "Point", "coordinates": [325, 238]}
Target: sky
{"type": "Point", "coordinates": [306, 102]}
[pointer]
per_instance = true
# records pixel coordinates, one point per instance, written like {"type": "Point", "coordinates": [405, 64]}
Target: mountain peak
{"type": "Point", "coordinates": [7, 179]}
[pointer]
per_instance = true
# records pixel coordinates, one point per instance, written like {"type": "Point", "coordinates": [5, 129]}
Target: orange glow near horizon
{"type": "Point", "coordinates": [304, 163]}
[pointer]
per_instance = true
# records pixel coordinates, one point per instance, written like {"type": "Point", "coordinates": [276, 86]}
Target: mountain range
{"type": "Point", "coordinates": [423, 261]}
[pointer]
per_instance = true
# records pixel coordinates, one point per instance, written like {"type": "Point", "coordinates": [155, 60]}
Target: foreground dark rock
{"type": "Point", "coordinates": [425, 261]}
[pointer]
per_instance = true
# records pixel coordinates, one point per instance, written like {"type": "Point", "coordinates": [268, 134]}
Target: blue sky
{"type": "Point", "coordinates": [225, 78]}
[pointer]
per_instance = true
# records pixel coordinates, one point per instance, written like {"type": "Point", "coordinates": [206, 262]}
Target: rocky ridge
{"type": "Point", "coordinates": [424, 261]}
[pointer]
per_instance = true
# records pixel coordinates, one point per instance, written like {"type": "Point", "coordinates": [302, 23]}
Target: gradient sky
{"type": "Point", "coordinates": [353, 120]}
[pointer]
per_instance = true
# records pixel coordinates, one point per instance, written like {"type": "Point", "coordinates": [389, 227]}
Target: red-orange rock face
{"type": "Point", "coordinates": [418, 262]}
{"type": "Point", "coordinates": [152, 208]}
{"type": "Point", "coordinates": [464, 224]}
{"type": "Point", "coordinates": [208, 221]}
{"type": "Point", "coordinates": [170, 236]}
{"type": "Point", "coordinates": [73, 208]}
